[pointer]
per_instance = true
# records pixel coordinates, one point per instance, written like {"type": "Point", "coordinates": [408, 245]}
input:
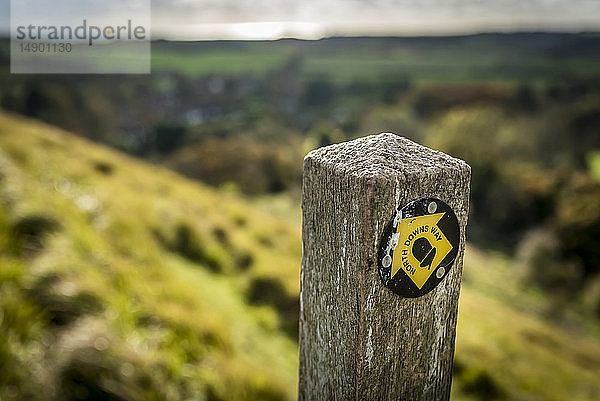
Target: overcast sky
{"type": "Point", "coordinates": [211, 19]}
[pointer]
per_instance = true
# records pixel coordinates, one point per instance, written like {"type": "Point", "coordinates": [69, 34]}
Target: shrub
{"type": "Point", "coordinates": [270, 292]}
{"type": "Point", "coordinates": [541, 257]}
{"type": "Point", "coordinates": [28, 233]}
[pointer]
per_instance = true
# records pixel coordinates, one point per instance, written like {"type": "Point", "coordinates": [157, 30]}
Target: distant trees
{"type": "Point", "coordinates": [532, 192]}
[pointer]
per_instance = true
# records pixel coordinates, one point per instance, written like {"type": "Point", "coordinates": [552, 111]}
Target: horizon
{"type": "Point", "coordinates": [271, 19]}
{"type": "Point", "coordinates": [156, 38]}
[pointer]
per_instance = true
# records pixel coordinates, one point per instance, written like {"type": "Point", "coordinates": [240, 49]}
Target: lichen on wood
{"type": "Point", "coordinates": [359, 340]}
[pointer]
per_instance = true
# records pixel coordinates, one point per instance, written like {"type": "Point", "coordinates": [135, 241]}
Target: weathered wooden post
{"type": "Point", "coordinates": [359, 339]}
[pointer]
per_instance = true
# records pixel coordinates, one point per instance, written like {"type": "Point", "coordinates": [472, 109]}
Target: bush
{"type": "Point", "coordinates": [578, 221]}
{"type": "Point", "coordinates": [541, 257]}
{"type": "Point", "coordinates": [257, 168]}
{"type": "Point", "coordinates": [61, 301]}
{"type": "Point", "coordinates": [270, 292]}
{"type": "Point", "coordinates": [28, 233]}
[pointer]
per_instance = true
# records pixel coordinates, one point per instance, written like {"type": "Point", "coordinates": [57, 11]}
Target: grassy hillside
{"type": "Point", "coordinates": [507, 350]}
{"type": "Point", "coordinates": [127, 281]}
{"type": "Point", "coordinates": [123, 281]}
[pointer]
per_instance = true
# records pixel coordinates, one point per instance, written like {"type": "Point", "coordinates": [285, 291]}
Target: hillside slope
{"type": "Point", "coordinates": [506, 349]}
{"type": "Point", "coordinates": [123, 281]}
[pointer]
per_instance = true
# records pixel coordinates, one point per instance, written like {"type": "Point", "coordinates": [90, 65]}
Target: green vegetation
{"type": "Point", "coordinates": [506, 349]}
{"type": "Point", "coordinates": [124, 281]}
{"type": "Point", "coordinates": [594, 164]}
{"type": "Point", "coordinates": [227, 63]}
{"type": "Point", "coordinates": [537, 58]}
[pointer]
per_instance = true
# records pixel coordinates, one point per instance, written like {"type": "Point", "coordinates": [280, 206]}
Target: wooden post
{"type": "Point", "coordinates": [358, 339]}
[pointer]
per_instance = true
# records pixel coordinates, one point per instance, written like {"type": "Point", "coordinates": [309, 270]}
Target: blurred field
{"type": "Point", "coordinates": [167, 57]}
{"type": "Point", "coordinates": [121, 280]}
{"type": "Point", "coordinates": [535, 58]}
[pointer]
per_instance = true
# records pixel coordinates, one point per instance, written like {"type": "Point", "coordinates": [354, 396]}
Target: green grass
{"type": "Point", "coordinates": [223, 62]}
{"type": "Point", "coordinates": [123, 280]}
{"type": "Point", "coordinates": [594, 164]}
{"type": "Point", "coordinates": [115, 287]}
{"type": "Point", "coordinates": [473, 59]}
{"type": "Point", "coordinates": [505, 349]}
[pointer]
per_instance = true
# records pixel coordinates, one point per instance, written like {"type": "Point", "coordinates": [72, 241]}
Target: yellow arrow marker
{"type": "Point", "coordinates": [422, 246]}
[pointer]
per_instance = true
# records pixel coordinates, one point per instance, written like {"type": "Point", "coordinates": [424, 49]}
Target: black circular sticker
{"type": "Point", "coordinates": [418, 247]}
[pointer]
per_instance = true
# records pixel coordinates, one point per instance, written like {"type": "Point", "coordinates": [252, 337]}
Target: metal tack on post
{"type": "Point", "coordinates": [383, 233]}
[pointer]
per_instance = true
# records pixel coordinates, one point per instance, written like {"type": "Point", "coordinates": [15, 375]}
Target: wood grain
{"type": "Point", "coordinates": [359, 340]}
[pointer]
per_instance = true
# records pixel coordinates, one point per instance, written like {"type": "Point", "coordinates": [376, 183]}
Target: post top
{"type": "Point", "coordinates": [384, 155]}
